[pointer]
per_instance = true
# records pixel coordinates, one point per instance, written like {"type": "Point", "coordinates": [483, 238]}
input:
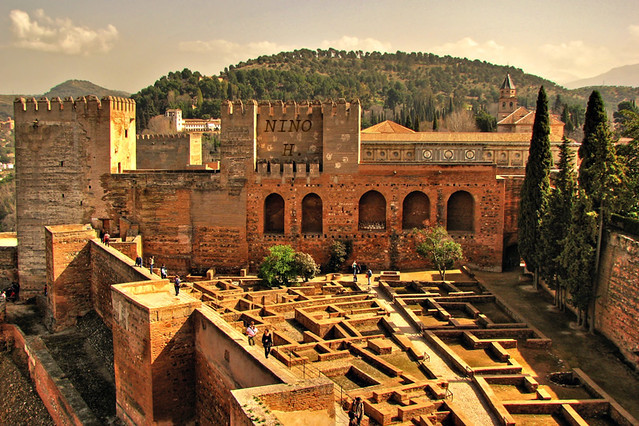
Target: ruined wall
{"type": "Point", "coordinates": [153, 350]}
{"type": "Point", "coordinates": [168, 152]}
{"type": "Point", "coordinates": [223, 363]}
{"type": "Point", "coordinates": [617, 303]}
{"type": "Point", "coordinates": [188, 219]}
{"type": "Point", "coordinates": [68, 274]}
{"type": "Point", "coordinates": [63, 149]}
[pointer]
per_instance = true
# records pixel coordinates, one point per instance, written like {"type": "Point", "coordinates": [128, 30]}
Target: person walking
{"type": "Point", "coordinates": [177, 285]}
{"type": "Point", "coordinates": [151, 262]}
{"type": "Point", "coordinates": [251, 332]}
{"type": "Point", "coordinates": [267, 342]}
{"type": "Point", "coordinates": [369, 274]}
{"type": "Point", "coordinates": [354, 271]}
{"type": "Point", "coordinates": [163, 272]}
{"type": "Point", "coordinates": [356, 413]}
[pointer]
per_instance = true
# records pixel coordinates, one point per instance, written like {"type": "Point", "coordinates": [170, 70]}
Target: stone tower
{"type": "Point", "coordinates": [63, 150]}
{"type": "Point", "coordinates": [507, 98]}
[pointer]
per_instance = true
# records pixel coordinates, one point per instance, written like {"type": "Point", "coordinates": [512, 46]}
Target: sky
{"type": "Point", "coordinates": [129, 44]}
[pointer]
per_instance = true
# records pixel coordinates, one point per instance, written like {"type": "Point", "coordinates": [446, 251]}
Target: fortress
{"type": "Point", "coordinates": [303, 174]}
{"type": "Point", "coordinates": [299, 174]}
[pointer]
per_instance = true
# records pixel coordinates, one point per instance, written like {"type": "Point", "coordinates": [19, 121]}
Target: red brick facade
{"type": "Point", "coordinates": [617, 305]}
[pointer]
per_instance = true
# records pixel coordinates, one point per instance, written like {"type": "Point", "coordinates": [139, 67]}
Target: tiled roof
{"type": "Point", "coordinates": [508, 83]}
{"type": "Point", "coordinates": [388, 127]}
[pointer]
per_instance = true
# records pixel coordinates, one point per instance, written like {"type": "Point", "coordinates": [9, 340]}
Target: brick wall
{"type": "Point", "coordinates": [224, 362]}
{"type": "Point", "coordinates": [8, 261]}
{"type": "Point", "coordinates": [153, 350]}
{"type": "Point", "coordinates": [340, 202]}
{"type": "Point", "coordinates": [63, 402]}
{"type": "Point", "coordinates": [617, 305]}
{"type": "Point", "coordinates": [68, 274]}
{"type": "Point", "coordinates": [109, 267]}
{"type": "Point", "coordinates": [62, 150]}
{"type": "Point", "coordinates": [168, 152]}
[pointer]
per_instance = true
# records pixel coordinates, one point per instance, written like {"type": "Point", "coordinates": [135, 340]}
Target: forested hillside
{"type": "Point", "coordinates": [410, 87]}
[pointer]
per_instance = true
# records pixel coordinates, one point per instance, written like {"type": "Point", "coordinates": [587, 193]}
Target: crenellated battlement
{"type": "Point", "coordinates": [160, 136]}
{"type": "Point", "coordinates": [57, 109]}
{"type": "Point", "coordinates": [341, 108]}
{"type": "Point", "coordinates": [237, 107]}
{"type": "Point", "coordinates": [289, 108]}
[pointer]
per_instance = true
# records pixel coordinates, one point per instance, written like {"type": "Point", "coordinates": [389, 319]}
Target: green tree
{"type": "Point", "coordinates": [555, 223]}
{"type": "Point", "coordinates": [536, 188]}
{"type": "Point", "coordinates": [439, 248]}
{"type": "Point", "coordinates": [597, 171]}
{"type": "Point", "coordinates": [485, 122]}
{"type": "Point", "coordinates": [578, 256]}
{"type": "Point", "coordinates": [305, 266]}
{"type": "Point", "coordinates": [337, 254]}
{"type": "Point", "coordinates": [279, 267]}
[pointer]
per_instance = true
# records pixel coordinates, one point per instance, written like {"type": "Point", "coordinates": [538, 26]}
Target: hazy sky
{"type": "Point", "coordinates": [127, 45]}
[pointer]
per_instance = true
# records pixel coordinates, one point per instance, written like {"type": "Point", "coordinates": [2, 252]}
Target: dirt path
{"type": "Point", "coordinates": [593, 353]}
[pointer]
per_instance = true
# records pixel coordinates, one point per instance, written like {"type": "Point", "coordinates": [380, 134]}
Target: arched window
{"type": "Point", "coordinates": [416, 210]}
{"type": "Point", "coordinates": [312, 214]}
{"type": "Point", "coordinates": [274, 214]}
{"type": "Point", "coordinates": [372, 212]}
{"type": "Point", "coordinates": [461, 212]}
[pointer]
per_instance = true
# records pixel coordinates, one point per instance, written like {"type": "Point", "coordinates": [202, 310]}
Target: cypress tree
{"type": "Point", "coordinates": [599, 171]}
{"type": "Point", "coordinates": [555, 223]}
{"type": "Point", "coordinates": [536, 187]}
{"type": "Point", "coordinates": [578, 256]}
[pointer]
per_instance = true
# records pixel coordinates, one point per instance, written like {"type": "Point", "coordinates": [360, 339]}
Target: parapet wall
{"type": "Point", "coordinates": [168, 152]}
{"type": "Point", "coordinates": [617, 303]}
{"type": "Point", "coordinates": [56, 109]}
{"type": "Point", "coordinates": [224, 362]}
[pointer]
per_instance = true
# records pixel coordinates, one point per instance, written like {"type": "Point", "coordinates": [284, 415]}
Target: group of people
{"type": "Point", "coordinates": [12, 293]}
{"type": "Point", "coordinates": [358, 269]}
{"type": "Point", "coordinates": [267, 338]}
{"type": "Point", "coordinates": [163, 272]}
{"type": "Point", "coordinates": [151, 263]}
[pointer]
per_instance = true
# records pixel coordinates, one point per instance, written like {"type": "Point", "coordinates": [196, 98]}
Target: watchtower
{"type": "Point", "coordinates": [63, 151]}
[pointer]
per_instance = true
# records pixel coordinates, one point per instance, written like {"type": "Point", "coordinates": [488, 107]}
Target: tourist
{"type": "Point", "coordinates": [356, 413]}
{"type": "Point", "coordinates": [251, 332]}
{"type": "Point", "coordinates": [106, 239]}
{"type": "Point", "coordinates": [354, 271]}
{"type": "Point", "coordinates": [151, 261]}
{"type": "Point", "coordinates": [369, 274]}
{"type": "Point", "coordinates": [138, 261]}
{"type": "Point", "coordinates": [267, 342]}
{"type": "Point", "coordinates": [177, 285]}
{"type": "Point", "coordinates": [163, 272]}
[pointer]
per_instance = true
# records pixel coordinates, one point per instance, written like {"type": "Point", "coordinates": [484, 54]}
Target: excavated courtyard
{"type": "Point", "coordinates": [416, 349]}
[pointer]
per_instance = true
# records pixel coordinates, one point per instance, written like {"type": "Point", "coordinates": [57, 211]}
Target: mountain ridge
{"type": "Point", "coordinates": [626, 75]}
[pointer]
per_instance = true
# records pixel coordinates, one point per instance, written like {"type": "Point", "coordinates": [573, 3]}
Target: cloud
{"type": "Point", "coordinates": [46, 34]}
{"type": "Point", "coordinates": [562, 62]}
{"type": "Point", "coordinates": [232, 52]}
{"type": "Point", "coordinates": [634, 31]}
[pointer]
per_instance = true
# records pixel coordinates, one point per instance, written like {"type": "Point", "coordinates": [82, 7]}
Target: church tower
{"type": "Point", "coordinates": [507, 99]}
